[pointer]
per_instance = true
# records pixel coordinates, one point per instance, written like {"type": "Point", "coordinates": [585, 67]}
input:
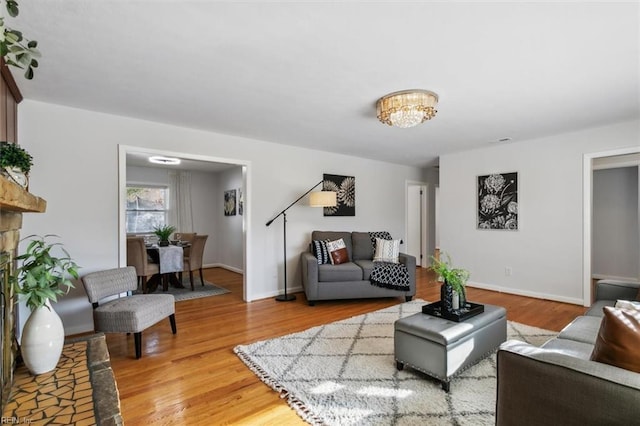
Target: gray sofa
{"type": "Point", "coordinates": [558, 384]}
{"type": "Point", "coordinates": [349, 280]}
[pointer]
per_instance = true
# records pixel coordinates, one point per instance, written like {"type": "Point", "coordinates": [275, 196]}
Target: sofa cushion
{"type": "Point", "coordinates": [387, 251]}
{"type": "Point", "coordinates": [570, 347]}
{"type": "Point", "coordinates": [367, 267]}
{"type": "Point", "coordinates": [337, 251]}
{"type": "Point", "coordinates": [596, 309]}
{"type": "Point", "coordinates": [362, 246]}
{"type": "Point", "coordinates": [618, 341]}
{"type": "Point", "coordinates": [344, 272]}
{"type": "Point", "coordinates": [582, 329]}
{"type": "Point", "coordinates": [332, 236]}
{"type": "Point", "coordinates": [320, 251]}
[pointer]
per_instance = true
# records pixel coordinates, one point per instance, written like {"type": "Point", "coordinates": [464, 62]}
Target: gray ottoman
{"type": "Point", "coordinates": [441, 348]}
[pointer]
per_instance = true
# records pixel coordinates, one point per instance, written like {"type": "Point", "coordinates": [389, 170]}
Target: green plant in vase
{"type": "Point", "coordinates": [455, 278]}
{"type": "Point", "coordinates": [40, 278]}
{"type": "Point", "coordinates": [164, 233]}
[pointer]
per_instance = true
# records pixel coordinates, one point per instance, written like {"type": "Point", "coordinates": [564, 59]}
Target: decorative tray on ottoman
{"type": "Point", "coordinates": [470, 309]}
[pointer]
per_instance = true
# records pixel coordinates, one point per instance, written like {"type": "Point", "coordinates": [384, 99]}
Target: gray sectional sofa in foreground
{"type": "Point", "coordinates": [349, 280]}
{"type": "Point", "coordinates": [557, 384]}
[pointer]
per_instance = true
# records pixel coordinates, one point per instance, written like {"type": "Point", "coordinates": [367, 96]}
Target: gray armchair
{"type": "Point", "coordinates": [128, 314]}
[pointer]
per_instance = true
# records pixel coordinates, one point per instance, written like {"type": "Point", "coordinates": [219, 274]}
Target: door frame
{"type": "Point", "coordinates": [424, 223]}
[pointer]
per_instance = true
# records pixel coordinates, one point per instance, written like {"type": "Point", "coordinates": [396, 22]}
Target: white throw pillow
{"type": "Point", "coordinates": [387, 251]}
{"type": "Point", "coordinates": [628, 304]}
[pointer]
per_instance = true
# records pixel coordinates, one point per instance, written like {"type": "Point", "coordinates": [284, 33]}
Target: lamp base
{"type": "Point", "coordinates": [286, 297]}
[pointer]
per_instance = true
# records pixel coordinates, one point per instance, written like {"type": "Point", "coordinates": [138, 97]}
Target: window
{"type": "Point", "coordinates": [147, 207]}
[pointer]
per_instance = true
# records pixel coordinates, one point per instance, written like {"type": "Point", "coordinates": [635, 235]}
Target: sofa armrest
{"type": "Point", "coordinates": [615, 289]}
{"type": "Point", "coordinates": [410, 262]}
{"type": "Point", "coordinates": [545, 386]}
{"type": "Point", "coordinates": [309, 265]}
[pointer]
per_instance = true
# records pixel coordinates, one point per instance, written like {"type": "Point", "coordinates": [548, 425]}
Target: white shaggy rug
{"type": "Point", "coordinates": [344, 373]}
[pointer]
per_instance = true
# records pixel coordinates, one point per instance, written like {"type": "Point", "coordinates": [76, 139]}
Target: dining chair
{"type": "Point", "coordinates": [186, 237]}
{"type": "Point", "coordinates": [193, 261]}
{"type": "Point", "coordinates": [138, 258]}
{"type": "Point", "coordinates": [126, 314]}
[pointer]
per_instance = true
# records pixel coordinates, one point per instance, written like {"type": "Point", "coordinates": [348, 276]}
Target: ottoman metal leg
{"type": "Point", "coordinates": [399, 365]}
{"type": "Point", "coordinates": [445, 386]}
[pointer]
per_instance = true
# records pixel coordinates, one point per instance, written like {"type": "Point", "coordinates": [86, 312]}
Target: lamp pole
{"type": "Point", "coordinates": [288, 297]}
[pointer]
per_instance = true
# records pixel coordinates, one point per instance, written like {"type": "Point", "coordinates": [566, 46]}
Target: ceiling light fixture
{"type": "Point", "coordinates": [407, 108]}
{"type": "Point", "coordinates": [157, 159]}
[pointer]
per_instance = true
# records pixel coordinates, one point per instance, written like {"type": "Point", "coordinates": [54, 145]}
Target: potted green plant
{"type": "Point", "coordinates": [15, 163]}
{"type": "Point", "coordinates": [40, 278]}
{"type": "Point", "coordinates": [164, 233]}
{"type": "Point", "coordinates": [454, 282]}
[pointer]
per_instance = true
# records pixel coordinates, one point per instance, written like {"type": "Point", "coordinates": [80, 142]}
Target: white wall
{"type": "Point", "coordinates": [228, 236]}
{"type": "Point", "coordinates": [203, 201]}
{"type": "Point", "coordinates": [616, 246]}
{"type": "Point", "coordinates": [545, 254]}
{"type": "Point", "coordinates": [76, 171]}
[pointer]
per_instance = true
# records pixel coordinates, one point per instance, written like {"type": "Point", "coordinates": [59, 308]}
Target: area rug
{"type": "Point", "coordinates": [199, 291]}
{"type": "Point", "coordinates": [343, 373]}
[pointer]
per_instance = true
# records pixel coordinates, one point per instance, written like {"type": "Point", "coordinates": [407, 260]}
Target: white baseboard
{"type": "Point", "coordinates": [227, 267]}
{"type": "Point", "coordinates": [78, 329]}
{"type": "Point", "coordinates": [614, 277]}
{"type": "Point", "coordinates": [534, 294]}
{"type": "Point", "coordinates": [271, 294]}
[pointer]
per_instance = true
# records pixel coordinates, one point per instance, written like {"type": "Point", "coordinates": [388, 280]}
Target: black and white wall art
{"type": "Point", "coordinates": [230, 202]}
{"type": "Point", "coordinates": [345, 189]}
{"type": "Point", "coordinates": [240, 202]}
{"type": "Point", "coordinates": [498, 201]}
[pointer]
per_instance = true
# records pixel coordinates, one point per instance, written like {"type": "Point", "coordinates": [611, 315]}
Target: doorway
{"type": "Point", "coordinates": [203, 165]}
{"type": "Point", "coordinates": [416, 228]}
{"type": "Point", "coordinates": [588, 166]}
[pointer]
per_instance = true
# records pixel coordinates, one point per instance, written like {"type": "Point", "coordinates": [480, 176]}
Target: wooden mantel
{"type": "Point", "coordinates": [14, 198]}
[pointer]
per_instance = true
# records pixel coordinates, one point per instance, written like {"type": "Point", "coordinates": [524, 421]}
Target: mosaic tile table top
{"type": "Point", "coordinates": [80, 391]}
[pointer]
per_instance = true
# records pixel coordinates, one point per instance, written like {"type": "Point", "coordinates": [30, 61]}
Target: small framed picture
{"type": "Point", "coordinates": [230, 202]}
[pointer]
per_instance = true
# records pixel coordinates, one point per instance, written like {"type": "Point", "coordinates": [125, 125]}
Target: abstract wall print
{"type": "Point", "coordinates": [498, 201]}
{"type": "Point", "coordinates": [240, 201]}
{"type": "Point", "coordinates": [345, 189]}
{"type": "Point", "coordinates": [230, 202]}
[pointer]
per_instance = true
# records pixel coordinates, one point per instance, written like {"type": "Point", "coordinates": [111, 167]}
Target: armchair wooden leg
{"type": "Point", "coordinates": [137, 337]}
{"type": "Point", "coordinates": [201, 278]}
{"type": "Point", "coordinates": [172, 320]}
{"type": "Point", "coordinates": [191, 279]}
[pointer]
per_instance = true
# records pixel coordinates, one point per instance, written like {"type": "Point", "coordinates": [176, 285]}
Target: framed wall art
{"type": "Point", "coordinates": [230, 202]}
{"type": "Point", "coordinates": [498, 201]}
{"type": "Point", "coordinates": [345, 189]}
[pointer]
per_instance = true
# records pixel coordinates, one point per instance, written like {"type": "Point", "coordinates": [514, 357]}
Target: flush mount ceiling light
{"type": "Point", "coordinates": [407, 108]}
{"type": "Point", "coordinates": [157, 159]}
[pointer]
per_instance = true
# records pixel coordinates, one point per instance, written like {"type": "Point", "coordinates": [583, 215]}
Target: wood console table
{"type": "Point", "coordinates": [80, 391]}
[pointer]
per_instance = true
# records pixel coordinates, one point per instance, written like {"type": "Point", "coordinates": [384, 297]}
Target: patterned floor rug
{"type": "Point", "coordinates": [199, 291]}
{"type": "Point", "coordinates": [343, 373]}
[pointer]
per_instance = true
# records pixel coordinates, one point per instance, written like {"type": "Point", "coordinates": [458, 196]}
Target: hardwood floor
{"type": "Point", "coordinates": [195, 378]}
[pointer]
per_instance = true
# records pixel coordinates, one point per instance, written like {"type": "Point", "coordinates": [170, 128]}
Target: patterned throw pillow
{"type": "Point", "coordinates": [338, 251]}
{"type": "Point", "coordinates": [387, 251]}
{"type": "Point", "coordinates": [320, 251]}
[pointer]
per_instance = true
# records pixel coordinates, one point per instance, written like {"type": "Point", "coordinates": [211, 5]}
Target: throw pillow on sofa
{"type": "Point", "coordinates": [628, 304]}
{"type": "Point", "coordinates": [618, 341]}
{"type": "Point", "coordinates": [320, 251]}
{"type": "Point", "coordinates": [338, 252]}
{"type": "Point", "coordinates": [387, 251]}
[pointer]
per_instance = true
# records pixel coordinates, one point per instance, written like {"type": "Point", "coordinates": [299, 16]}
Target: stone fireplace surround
{"type": "Point", "coordinates": [14, 201]}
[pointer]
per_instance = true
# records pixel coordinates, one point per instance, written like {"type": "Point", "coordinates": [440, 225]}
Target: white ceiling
{"type": "Point", "coordinates": [309, 73]}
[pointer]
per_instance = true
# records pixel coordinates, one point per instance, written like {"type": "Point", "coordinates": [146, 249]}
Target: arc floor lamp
{"type": "Point", "coordinates": [317, 199]}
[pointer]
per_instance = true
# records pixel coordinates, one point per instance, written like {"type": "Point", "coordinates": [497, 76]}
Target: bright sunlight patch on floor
{"type": "Point", "coordinates": [327, 387]}
{"type": "Point", "coordinates": [385, 392]}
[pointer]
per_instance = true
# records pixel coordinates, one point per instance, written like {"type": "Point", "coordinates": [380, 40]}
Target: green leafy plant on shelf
{"type": "Point", "coordinates": [41, 275]}
{"type": "Point", "coordinates": [455, 277]}
{"type": "Point", "coordinates": [16, 50]}
{"type": "Point", "coordinates": [13, 155]}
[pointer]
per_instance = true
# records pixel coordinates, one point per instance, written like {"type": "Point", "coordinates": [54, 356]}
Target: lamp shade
{"type": "Point", "coordinates": [322, 199]}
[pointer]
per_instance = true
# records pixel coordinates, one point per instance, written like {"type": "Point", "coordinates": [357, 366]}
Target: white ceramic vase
{"type": "Point", "coordinates": [42, 340]}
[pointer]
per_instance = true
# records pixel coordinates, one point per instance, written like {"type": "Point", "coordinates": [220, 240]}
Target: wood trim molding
{"type": "Point", "coordinates": [11, 82]}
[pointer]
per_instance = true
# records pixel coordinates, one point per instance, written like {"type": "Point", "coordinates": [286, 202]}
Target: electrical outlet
{"type": "Point", "coordinates": [507, 271]}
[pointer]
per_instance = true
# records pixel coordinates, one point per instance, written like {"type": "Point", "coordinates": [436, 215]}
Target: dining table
{"type": "Point", "coordinates": [171, 261]}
